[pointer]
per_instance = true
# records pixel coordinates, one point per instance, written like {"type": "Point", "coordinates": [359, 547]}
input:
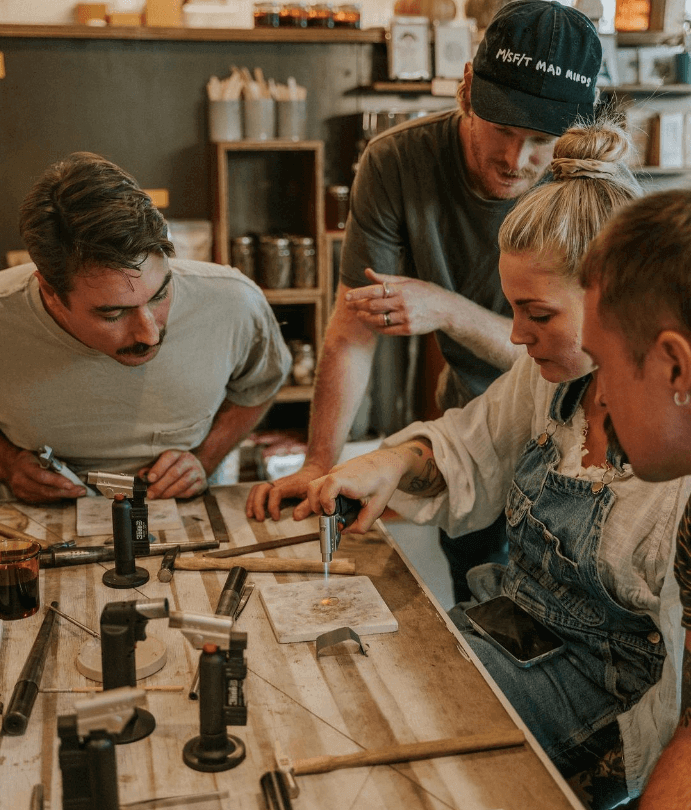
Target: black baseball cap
{"type": "Point", "coordinates": [536, 67]}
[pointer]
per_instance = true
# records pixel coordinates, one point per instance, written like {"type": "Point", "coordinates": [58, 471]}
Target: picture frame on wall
{"type": "Point", "coordinates": [657, 65]}
{"type": "Point", "coordinates": [667, 141]}
{"type": "Point", "coordinates": [609, 69]}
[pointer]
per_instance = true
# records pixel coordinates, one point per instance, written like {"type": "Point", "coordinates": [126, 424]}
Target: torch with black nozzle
{"type": "Point", "coordinates": [331, 526]}
{"type": "Point", "coordinates": [123, 624]}
{"type": "Point", "coordinates": [88, 762]}
{"type": "Point", "coordinates": [222, 670]}
{"type": "Point", "coordinates": [130, 526]}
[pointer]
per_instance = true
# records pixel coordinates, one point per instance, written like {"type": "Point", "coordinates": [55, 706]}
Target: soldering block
{"type": "Point", "coordinates": [301, 611]}
{"type": "Point", "coordinates": [150, 655]}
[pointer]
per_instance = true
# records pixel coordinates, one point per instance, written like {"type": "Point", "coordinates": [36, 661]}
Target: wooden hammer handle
{"type": "Point", "coordinates": [15, 534]}
{"type": "Point", "coordinates": [267, 564]}
{"type": "Point", "coordinates": [410, 752]}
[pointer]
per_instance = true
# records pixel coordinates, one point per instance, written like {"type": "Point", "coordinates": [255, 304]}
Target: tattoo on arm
{"type": "Point", "coordinates": [685, 717]}
{"type": "Point", "coordinates": [428, 480]}
{"type": "Point", "coordinates": [604, 783]}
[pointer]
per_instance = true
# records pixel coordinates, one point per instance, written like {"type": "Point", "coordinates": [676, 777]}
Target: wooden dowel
{"type": "Point", "coordinates": [15, 534]}
{"type": "Point", "coordinates": [264, 565]}
{"type": "Point", "coordinates": [269, 544]}
{"type": "Point", "coordinates": [178, 687]}
{"type": "Point", "coordinates": [412, 751]}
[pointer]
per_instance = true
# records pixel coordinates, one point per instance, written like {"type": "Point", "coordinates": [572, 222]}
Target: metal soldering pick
{"type": "Point", "coordinates": [74, 621]}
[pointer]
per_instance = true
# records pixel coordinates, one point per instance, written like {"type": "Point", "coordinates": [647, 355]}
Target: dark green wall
{"type": "Point", "coordinates": [142, 104]}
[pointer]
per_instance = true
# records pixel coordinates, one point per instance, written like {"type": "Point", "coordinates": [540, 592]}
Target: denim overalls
{"type": "Point", "coordinates": [613, 655]}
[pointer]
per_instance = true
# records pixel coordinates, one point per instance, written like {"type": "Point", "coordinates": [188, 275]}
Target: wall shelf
{"type": "Point", "coordinates": [324, 35]}
{"type": "Point", "coordinates": [649, 89]}
{"type": "Point", "coordinates": [662, 171]}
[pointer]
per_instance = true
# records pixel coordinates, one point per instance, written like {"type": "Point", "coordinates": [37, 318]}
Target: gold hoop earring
{"type": "Point", "coordinates": [678, 400]}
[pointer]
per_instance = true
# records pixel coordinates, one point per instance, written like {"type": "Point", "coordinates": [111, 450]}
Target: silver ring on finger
{"type": "Point", "coordinates": [387, 319]}
{"type": "Point", "coordinates": [386, 290]}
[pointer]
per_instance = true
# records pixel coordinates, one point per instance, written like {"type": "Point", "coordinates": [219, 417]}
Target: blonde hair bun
{"type": "Point", "coordinates": [595, 150]}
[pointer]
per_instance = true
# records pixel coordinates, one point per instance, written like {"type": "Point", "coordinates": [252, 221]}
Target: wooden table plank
{"type": "Point", "coordinates": [413, 685]}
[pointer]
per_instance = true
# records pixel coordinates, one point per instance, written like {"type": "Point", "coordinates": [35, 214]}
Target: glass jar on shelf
{"type": "Point", "coordinates": [267, 15]}
{"type": "Point", "coordinates": [336, 207]}
{"type": "Point", "coordinates": [320, 15]}
{"type": "Point", "coordinates": [293, 15]}
{"type": "Point", "coordinates": [303, 362]}
{"type": "Point", "coordinates": [347, 16]}
{"type": "Point", "coordinates": [276, 262]}
{"type": "Point", "coordinates": [242, 255]}
{"type": "Point", "coordinates": [303, 260]}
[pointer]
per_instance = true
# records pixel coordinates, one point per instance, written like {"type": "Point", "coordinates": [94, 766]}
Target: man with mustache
{"type": "Point", "coordinates": [420, 252]}
{"type": "Point", "coordinates": [119, 357]}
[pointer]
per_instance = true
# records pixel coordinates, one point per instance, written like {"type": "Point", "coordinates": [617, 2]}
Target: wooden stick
{"type": "Point", "coordinates": [264, 565]}
{"type": "Point", "coordinates": [15, 534]}
{"type": "Point", "coordinates": [269, 544]}
{"type": "Point", "coordinates": [412, 751]}
{"type": "Point", "coordinates": [177, 687]}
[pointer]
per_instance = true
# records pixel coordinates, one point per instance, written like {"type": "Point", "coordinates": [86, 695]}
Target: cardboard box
{"type": "Point", "coordinates": [125, 18]}
{"type": "Point", "coordinates": [667, 141]}
{"type": "Point", "coordinates": [163, 13]}
{"type": "Point", "coordinates": [85, 12]}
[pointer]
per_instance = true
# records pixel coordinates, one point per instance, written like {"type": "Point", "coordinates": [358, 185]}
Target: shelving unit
{"type": "Point", "coordinates": [276, 186]}
{"type": "Point", "coordinates": [642, 102]}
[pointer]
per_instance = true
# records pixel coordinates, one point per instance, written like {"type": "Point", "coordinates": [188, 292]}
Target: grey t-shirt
{"type": "Point", "coordinates": [414, 213]}
{"type": "Point", "coordinates": [223, 343]}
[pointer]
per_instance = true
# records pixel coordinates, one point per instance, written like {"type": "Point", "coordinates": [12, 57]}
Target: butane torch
{"type": "Point", "coordinates": [331, 526]}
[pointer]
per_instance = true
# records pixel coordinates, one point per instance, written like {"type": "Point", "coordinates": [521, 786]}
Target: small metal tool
{"type": "Point", "coordinates": [165, 572]}
{"type": "Point", "coordinates": [229, 604]}
{"type": "Point", "coordinates": [47, 460]}
{"type": "Point", "coordinates": [269, 544]}
{"type": "Point", "coordinates": [175, 801]}
{"type": "Point", "coordinates": [218, 525]}
{"type": "Point", "coordinates": [53, 557]}
{"type": "Point", "coordinates": [338, 636]}
{"type": "Point", "coordinates": [16, 718]}
{"type": "Point", "coordinates": [331, 526]}
{"type": "Point", "coordinates": [247, 591]}
{"type": "Point", "coordinates": [275, 792]}
{"type": "Point", "coordinates": [83, 627]}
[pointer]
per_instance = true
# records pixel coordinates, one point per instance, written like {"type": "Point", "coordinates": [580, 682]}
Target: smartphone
{"type": "Point", "coordinates": [511, 629]}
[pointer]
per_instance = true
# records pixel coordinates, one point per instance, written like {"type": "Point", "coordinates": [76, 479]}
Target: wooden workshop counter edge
{"type": "Point", "coordinates": [467, 651]}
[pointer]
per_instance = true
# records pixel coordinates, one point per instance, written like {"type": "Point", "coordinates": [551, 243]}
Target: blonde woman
{"type": "Point", "coordinates": [590, 545]}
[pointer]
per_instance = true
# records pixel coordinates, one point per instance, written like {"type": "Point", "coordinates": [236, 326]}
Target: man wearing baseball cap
{"type": "Point", "coordinates": [420, 253]}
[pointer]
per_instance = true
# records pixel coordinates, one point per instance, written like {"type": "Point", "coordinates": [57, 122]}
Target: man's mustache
{"type": "Point", "coordinates": [138, 349]}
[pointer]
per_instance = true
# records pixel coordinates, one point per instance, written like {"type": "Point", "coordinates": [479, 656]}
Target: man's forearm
{"type": "Point", "coordinates": [423, 477]}
{"type": "Point", "coordinates": [230, 426]}
{"type": "Point", "coordinates": [481, 331]}
{"type": "Point", "coordinates": [343, 371]}
{"type": "Point", "coordinates": [669, 787]}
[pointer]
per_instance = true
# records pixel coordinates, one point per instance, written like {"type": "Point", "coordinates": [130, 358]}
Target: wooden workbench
{"type": "Point", "coordinates": [416, 684]}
